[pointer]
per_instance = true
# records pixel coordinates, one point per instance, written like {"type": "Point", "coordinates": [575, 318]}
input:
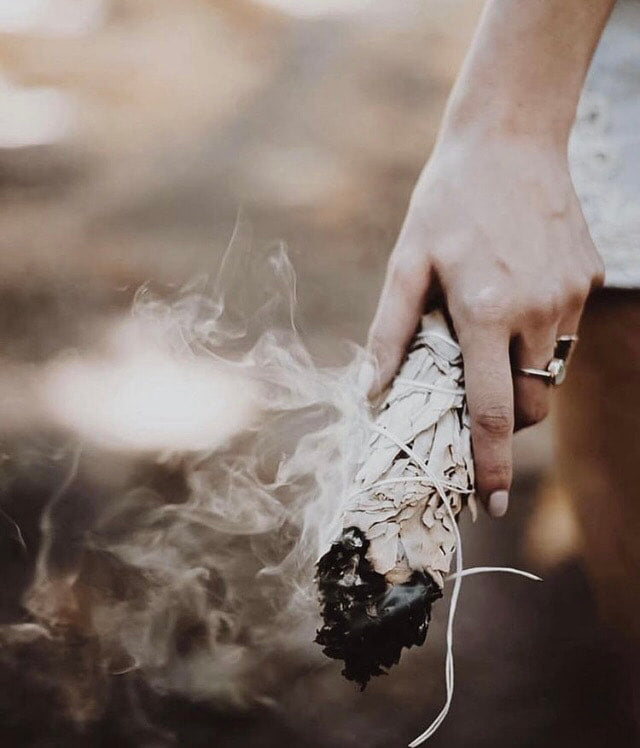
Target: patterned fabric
{"type": "Point", "coordinates": [604, 150]}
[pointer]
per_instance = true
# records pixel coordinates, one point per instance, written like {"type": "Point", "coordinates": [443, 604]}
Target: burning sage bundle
{"type": "Point", "coordinates": [379, 579]}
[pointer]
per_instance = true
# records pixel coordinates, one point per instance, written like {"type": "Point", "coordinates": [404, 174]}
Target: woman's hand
{"type": "Point", "coordinates": [495, 226]}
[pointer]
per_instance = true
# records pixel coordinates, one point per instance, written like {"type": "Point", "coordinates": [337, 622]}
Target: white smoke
{"type": "Point", "coordinates": [144, 397]}
{"type": "Point", "coordinates": [208, 592]}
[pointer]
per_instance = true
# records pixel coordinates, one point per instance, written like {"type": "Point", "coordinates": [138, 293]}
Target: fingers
{"type": "Point", "coordinates": [398, 314]}
{"type": "Point", "coordinates": [569, 324]}
{"type": "Point", "coordinates": [532, 348]}
{"type": "Point", "coordinates": [487, 372]}
{"type": "Point", "coordinates": [535, 346]}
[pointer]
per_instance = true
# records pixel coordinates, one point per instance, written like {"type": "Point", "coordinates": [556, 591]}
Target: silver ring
{"type": "Point", "coordinates": [556, 370]}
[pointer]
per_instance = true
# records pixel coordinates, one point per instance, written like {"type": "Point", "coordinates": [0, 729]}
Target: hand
{"type": "Point", "coordinates": [494, 225]}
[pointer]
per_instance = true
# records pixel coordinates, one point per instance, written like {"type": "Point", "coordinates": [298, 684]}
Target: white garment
{"type": "Point", "coordinates": [604, 149]}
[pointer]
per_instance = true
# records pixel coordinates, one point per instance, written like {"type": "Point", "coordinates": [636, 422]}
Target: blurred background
{"type": "Point", "coordinates": [135, 137]}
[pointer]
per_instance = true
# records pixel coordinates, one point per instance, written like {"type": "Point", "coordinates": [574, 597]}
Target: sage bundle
{"type": "Point", "coordinates": [380, 577]}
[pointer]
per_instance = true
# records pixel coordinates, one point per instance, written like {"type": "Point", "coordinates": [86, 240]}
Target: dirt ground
{"type": "Point", "coordinates": [185, 121]}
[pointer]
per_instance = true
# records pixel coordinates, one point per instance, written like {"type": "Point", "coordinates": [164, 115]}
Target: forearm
{"type": "Point", "coordinates": [525, 69]}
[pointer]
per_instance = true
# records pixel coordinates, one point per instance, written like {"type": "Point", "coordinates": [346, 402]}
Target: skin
{"type": "Point", "coordinates": [494, 227]}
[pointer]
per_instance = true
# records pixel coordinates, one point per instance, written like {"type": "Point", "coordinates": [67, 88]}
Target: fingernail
{"type": "Point", "coordinates": [498, 503]}
{"type": "Point", "coordinates": [366, 377]}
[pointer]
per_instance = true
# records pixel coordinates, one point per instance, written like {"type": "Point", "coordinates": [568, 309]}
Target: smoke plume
{"type": "Point", "coordinates": [227, 452]}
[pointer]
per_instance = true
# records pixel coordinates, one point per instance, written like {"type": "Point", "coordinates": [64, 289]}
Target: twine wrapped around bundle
{"type": "Point", "coordinates": [379, 579]}
{"type": "Point", "coordinates": [399, 509]}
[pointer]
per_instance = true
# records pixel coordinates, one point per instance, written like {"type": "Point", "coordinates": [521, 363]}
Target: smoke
{"type": "Point", "coordinates": [142, 397]}
{"type": "Point", "coordinates": [201, 577]}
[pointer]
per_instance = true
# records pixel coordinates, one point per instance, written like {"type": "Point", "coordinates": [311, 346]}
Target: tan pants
{"type": "Point", "coordinates": [598, 455]}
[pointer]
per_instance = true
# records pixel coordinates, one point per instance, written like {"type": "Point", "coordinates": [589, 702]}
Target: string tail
{"type": "Point", "coordinates": [491, 569]}
{"type": "Point", "coordinates": [456, 577]}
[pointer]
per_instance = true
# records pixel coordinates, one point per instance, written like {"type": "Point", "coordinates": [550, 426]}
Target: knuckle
{"type": "Point", "coordinates": [495, 420]}
{"type": "Point", "coordinates": [544, 308]}
{"type": "Point", "coordinates": [538, 315]}
{"type": "Point", "coordinates": [484, 309]}
{"type": "Point", "coordinates": [576, 294]}
{"type": "Point", "coordinates": [495, 472]}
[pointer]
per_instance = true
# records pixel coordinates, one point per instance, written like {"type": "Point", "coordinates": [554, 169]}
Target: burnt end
{"type": "Point", "coordinates": [366, 621]}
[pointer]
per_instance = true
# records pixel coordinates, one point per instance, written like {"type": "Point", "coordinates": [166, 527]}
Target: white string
{"type": "Point", "coordinates": [429, 387]}
{"type": "Point", "coordinates": [489, 569]}
{"type": "Point", "coordinates": [460, 572]}
{"type": "Point", "coordinates": [449, 671]}
{"type": "Point", "coordinates": [409, 479]}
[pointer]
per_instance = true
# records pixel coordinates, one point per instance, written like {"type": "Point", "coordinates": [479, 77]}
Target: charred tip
{"type": "Point", "coordinates": [368, 622]}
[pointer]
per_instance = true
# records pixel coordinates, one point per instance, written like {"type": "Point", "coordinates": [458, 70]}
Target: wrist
{"type": "Point", "coordinates": [505, 117]}
{"type": "Point", "coordinates": [480, 152]}
{"type": "Point", "coordinates": [524, 71]}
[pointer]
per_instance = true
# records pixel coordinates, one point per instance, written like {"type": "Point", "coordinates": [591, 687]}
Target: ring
{"type": "Point", "coordinates": [556, 369]}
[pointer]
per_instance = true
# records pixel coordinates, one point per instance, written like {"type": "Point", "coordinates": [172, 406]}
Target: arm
{"type": "Point", "coordinates": [494, 223]}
